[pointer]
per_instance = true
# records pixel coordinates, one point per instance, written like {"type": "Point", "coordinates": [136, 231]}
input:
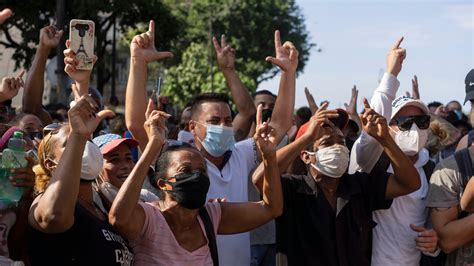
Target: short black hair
{"type": "Point", "coordinates": [434, 104]}
{"type": "Point", "coordinates": [304, 113]}
{"type": "Point", "coordinates": [164, 160]}
{"type": "Point", "coordinates": [263, 92]}
{"type": "Point", "coordinates": [208, 97]}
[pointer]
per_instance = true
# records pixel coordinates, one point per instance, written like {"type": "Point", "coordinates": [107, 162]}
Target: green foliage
{"type": "Point", "coordinates": [30, 16]}
{"type": "Point", "coordinates": [249, 26]}
{"type": "Point", "coordinates": [194, 75]}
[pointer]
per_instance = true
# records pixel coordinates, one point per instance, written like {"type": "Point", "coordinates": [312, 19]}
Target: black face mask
{"type": "Point", "coordinates": [190, 189]}
{"type": "Point", "coordinates": [266, 114]}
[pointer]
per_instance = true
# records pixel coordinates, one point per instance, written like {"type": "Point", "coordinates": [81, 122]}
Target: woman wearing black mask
{"type": "Point", "coordinates": [180, 228]}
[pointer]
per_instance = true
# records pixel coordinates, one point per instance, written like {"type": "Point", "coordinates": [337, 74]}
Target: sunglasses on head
{"type": "Point", "coordinates": [54, 127]}
{"type": "Point", "coordinates": [405, 123]}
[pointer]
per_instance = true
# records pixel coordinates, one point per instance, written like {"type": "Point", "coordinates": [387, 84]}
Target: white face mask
{"type": "Point", "coordinates": [411, 141]}
{"type": "Point", "coordinates": [92, 161]}
{"type": "Point", "coordinates": [331, 161]}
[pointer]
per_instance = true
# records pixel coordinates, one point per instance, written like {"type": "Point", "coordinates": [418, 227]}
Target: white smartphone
{"type": "Point", "coordinates": [81, 34]}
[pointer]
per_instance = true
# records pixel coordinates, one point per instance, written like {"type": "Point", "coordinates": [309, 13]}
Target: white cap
{"type": "Point", "coordinates": [404, 101]}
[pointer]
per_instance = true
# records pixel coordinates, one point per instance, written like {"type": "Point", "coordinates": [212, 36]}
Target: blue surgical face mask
{"type": "Point", "coordinates": [219, 139]}
{"type": "Point", "coordinates": [458, 114]}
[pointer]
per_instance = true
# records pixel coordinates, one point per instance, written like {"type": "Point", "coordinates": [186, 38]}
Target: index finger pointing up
{"type": "Point", "coordinates": [259, 114]}
{"type": "Point", "coordinates": [277, 39]}
{"type": "Point", "coordinates": [21, 74]}
{"type": "Point", "coordinates": [223, 42]}
{"type": "Point", "coordinates": [366, 104]}
{"type": "Point", "coordinates": [151, 27]}
{"type": "Point", "coordinates": [397, 43]}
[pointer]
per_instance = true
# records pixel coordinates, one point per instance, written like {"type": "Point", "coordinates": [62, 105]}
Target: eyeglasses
{"type": "Point", "coordinates": [404, 123]}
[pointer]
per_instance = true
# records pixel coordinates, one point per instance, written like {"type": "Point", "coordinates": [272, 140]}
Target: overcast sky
{"type": "Point", "coordinates": [355, 36]}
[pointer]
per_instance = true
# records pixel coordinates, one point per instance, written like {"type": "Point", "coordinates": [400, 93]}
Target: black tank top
{"type": "Point", "coordinates": [90, 241]}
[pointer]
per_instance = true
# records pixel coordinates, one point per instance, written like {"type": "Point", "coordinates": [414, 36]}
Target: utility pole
{"type": "Point", "coordinates": [112, 93]}
{"type": "Point", "coordinates": [61, 75]}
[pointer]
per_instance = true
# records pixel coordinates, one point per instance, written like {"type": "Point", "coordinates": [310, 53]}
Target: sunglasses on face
{"type": "Point", "coordinates": [405, 123]}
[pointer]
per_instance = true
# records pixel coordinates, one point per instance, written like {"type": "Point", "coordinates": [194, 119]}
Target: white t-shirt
{"type": "Point", "coordinates": [186, 136]}
{"type": "Point", "coordinates": [232, 183]}
{"type": "Point", "coordinates": [393, 241]}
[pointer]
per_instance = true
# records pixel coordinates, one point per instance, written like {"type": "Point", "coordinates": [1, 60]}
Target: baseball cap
{"type": "Point", "coordinates": [109, 142]}
{"type": "Point", "coordinates": [469, 81]}
{"type": "Point", "coordinates": [340, 122]}
{"type": "Point", "coordinates": [404, 101]}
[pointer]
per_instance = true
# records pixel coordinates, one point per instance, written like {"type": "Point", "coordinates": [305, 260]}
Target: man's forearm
{"type": "Point", "coordinates": [242, 99]}
{"type": "Point", "coordinates": [244, 103]}
{"type": "Point", "coordinates": [282, 116]}
{"type": "Point", "coordinates": [405, 173]}
{"type": "Point", "coordinates": [285, 156]}
{"type": "Point", "coordinates": [135, 101]}
{"type": "Point", "coordinates": [456, 234]}
{"type": "Point", "coordinates": [34, 86]}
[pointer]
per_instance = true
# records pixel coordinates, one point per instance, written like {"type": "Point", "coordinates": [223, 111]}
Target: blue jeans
{"type": "Point", "coordinates": [263, 255]}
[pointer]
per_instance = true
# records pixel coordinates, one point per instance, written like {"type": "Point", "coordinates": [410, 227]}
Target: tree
{"type": "Point", "coordinates": [30, 16]}
{"type": "Point", "coordinates": [193, 76]}
{"type": "Point", "coordinates": [249, 26]}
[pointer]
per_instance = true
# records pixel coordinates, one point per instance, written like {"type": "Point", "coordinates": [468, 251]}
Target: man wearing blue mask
{"type": "Point", "coordinates": [228, 163]}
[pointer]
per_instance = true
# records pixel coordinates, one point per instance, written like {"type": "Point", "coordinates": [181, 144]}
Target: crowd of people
{"type": "Point", "coordinates": [260, 185]}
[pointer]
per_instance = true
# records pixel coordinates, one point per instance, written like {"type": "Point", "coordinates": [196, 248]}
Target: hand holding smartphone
{"type": "Point", "coordinates": [81, 35]}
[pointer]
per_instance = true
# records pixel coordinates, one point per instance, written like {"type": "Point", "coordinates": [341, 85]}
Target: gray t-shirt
{"type": "Point", "coordinates": [445, 192]}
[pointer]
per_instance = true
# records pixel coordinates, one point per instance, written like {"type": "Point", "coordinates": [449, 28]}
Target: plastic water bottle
{"type": "Point", "coordinates": [12, 157]}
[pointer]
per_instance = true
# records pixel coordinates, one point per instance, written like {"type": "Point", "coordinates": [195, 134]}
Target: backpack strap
{"type": "Point", "coordinates": [463, 160]}
{"type": "Point", "coordinates": [211, 236]}
{"type": "Point", "coordinates": [428, 169]}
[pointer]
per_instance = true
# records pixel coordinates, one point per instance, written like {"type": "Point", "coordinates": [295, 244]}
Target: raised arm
{"type": "Point", "coordinates": [81, 77]}
{"type": "Point", "coordinates": [126, 215]}
{"type": "Point", "coordinates": [287, 60]}
{"type": "Point", "coordinates": [240, 95]}
{"type": "Point", "coordinates": [366, 150]}
{"type": "Point", "coordinates": [467, 199]}
{"type": "Point", "coordinates": [53, 211]}
{"type": "Point", "coordinates": [242, 217]}
{"type": "Point", "coordinates": [405, 178]}
{"type": "Point", "coordinates": [10, 86]}
{"type": "Point", "coordinates": [5, 14]}
{"type": "Point", "coordinates": [142, 52]}
{"type": "Point", "coordinates": [311, 102]}
{"type": "Point", "coordinates": [33, 94]}
{"type": "Point", "coordinates": [351, 108]}
{"type": "Point", "coordinates": [290, 152]}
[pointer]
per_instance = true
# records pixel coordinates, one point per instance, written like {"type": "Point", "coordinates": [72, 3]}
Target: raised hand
{"type": "Point", "coordinates": [373, 123]}
{"type": "Point", "coordinates": [427, 240]}
{"type": "Point", "coordinates": [286, 55]}
{"type": "Point", "coordinates": [24, 177]}
{"type": "Point", "coordinates": [70, 61]}
{"type": "Point", "coordinates": [351, 108]}
{"type": "Point", "coordinates": [320, 118]}
{"type": "Point", "coordinates": [83, 116]}
{"type": "Point", "coordinates": [143, 47]}
{"type": "Point", "coordinates": [265, 135]}
{"type": "Point", "coordinates": [155, 124]}
{"type": "Point", "coordinates": [415, 93]}
{"type": "Point", "coordinates": [395, 58]}
{"type": "Point", "coordinates": [5, 14]}
{"type": "Point", "coordinates": [50, 37]}
{"type": "Point", "coordinates": [225, 54]}
{"type": "Point", "coordinates": [311, 102]}
{"type": "Point", "coordinates": [10, 86]}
